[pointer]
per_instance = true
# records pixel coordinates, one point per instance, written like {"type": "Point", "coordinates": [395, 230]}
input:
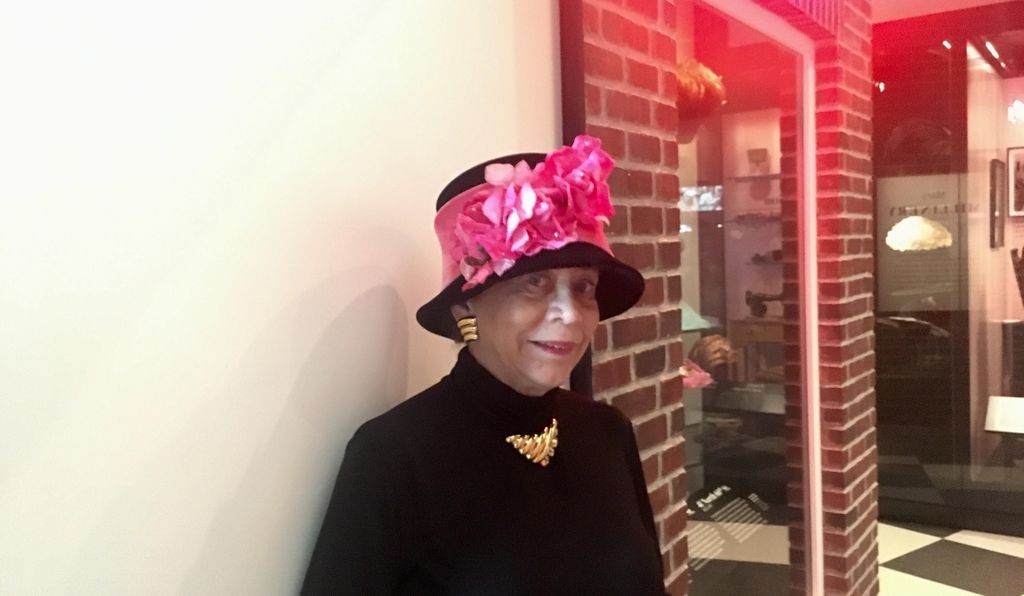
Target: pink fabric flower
{"type": "Point", "coordinates": [523, 211]}
{"type": "Point", "coordinates": [694, 377]}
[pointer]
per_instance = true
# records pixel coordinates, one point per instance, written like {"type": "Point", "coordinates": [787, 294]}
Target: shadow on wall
{"type": "Point", "coordinates": [259, 538]}
{"type": "Point", "coordinates": [355, 371]}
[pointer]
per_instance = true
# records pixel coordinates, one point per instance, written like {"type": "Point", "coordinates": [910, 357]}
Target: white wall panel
{"type": "Point", "coordinates": [216, 228]}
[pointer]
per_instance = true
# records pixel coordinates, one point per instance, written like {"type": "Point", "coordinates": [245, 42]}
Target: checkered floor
{"type": "Point", "coordinates": [914, 560]}
{"type": "Point", "coordinates": [931, 561]}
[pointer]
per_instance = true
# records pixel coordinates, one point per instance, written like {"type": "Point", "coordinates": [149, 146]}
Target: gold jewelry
{"type": "Point", "coordinates": [468, 328]}
{"type": "Point", "coordinates": [539, 448]}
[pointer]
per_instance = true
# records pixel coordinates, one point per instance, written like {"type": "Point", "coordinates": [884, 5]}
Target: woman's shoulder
{"type": "Point", "coordinates": [422, 408]}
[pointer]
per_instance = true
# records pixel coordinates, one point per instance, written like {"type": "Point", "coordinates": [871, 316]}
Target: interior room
{"type": "Point", "coordinates": [950, 292]}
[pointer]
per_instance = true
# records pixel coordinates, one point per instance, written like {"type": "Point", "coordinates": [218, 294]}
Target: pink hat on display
{"type": "Point", "coordinates": [528, 212]}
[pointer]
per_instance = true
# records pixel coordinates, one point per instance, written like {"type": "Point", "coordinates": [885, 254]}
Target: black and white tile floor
{"type": "Point", "coordinates": [914, 560]}
{"type": "Point", "coordinates": [942, 562]}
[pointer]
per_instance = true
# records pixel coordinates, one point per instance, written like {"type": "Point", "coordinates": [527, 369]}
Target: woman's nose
{"type": "Point", "coordinates": [563, 305]}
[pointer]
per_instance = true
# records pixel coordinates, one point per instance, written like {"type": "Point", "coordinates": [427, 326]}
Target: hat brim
{"type": "Point", "coordinates": [619, 286]}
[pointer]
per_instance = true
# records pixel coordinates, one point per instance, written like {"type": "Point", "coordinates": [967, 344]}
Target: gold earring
{"type": "Point", "coordinates": [468, 329]}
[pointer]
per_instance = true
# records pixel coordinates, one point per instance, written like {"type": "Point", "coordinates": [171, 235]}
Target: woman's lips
{"type": "Point", "coordinates": [558, 348]}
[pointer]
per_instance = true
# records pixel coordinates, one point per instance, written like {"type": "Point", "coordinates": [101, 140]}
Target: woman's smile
{"type": "Point", "coordinates": [558, 348]}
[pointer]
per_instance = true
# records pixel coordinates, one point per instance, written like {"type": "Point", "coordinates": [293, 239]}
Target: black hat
{"type": "Point", "coordinates": [564, 227]}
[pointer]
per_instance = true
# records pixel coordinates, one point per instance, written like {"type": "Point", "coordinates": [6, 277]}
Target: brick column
{"type": "Point", "coordinates": [629, 58]}
{"type": "Point", "coordinates": [842, 30]}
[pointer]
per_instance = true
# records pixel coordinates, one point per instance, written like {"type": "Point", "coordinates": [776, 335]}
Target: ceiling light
{"type": "Point", "coordinates": [992, 50]}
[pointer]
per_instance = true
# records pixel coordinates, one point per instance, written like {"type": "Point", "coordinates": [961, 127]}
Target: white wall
{"type": "Point", "coordinates": [216, 227]}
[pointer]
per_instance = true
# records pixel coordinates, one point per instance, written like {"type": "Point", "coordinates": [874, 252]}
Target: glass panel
{"type": "Point", "coordinates": [737, 171]}
{"type": "Point", "coordinates": [921, 311]}
{"type": "Point", "coordinates": [994, 480]}
{"type": "Point", "coordinates": [950, 399]}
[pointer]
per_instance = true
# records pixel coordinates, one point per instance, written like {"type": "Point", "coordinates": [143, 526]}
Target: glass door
{"type": "Point", "coordinates": [739, 168]}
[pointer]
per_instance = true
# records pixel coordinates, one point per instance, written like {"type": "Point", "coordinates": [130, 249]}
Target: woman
{"type": "Point", "coordinates": [495, 480]}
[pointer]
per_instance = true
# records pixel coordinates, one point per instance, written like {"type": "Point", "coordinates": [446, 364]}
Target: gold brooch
{"type": "Point", "coordinates": [539, 448]}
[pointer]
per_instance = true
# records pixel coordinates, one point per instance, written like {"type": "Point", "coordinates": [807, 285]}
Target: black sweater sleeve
{"type": "Point", "coordinates": [643, 498]}
{"type": "Point", "coordinates": [358, 550]}
{"type": "Point", "coordinates": [637, 470]}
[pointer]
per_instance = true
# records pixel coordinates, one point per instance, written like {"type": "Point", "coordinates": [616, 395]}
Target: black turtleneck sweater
{"type": "Point", "coordinates": [430, 499]}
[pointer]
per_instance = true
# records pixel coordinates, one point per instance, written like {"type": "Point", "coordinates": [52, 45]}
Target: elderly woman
{"type": "Point", "coordinates": [496, 480]}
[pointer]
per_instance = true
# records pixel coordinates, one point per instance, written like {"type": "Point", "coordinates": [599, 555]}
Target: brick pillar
{"type": "Point", "coordinates": [842, 30]}
{"type": "Point", "coordinates": [629, 59]}
{"type": "Point", "coordinates": [846, 307]}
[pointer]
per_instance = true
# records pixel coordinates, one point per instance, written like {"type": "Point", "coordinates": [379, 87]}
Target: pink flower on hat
{"type": "Point", "coordinates": [521, 211]}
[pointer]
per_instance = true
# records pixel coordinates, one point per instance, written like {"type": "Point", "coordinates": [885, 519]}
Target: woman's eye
{"type": "Point", "coordinates": [586, 287]}
{"type": "Point", "coordinates": [536, 281]}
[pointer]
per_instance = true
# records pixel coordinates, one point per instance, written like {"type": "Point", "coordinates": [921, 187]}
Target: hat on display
{"type": "Point", "coordinates": [528, 212]}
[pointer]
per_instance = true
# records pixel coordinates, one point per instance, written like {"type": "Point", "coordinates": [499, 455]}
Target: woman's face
{"type": "Point", "coordinates": [534, 328]}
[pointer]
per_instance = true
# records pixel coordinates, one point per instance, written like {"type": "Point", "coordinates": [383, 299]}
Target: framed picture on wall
{"type": "Point", "coordinates": [997, 187]}
{"type": "Point", "coordinates": [1015, 185]}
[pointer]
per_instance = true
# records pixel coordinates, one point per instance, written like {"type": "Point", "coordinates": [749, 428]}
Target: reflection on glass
{"type": "Point", "coordinates": [737, 175]}
{"type": "Point", "coordinates": [700, 198]}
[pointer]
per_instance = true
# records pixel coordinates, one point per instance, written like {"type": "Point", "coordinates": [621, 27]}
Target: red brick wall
{"type": "Point", "coordinates": [846, 255]}
{"type": "Point", "coordinates": [629, 57]}
{"type": "Point", "coordinates": [817, 18]}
